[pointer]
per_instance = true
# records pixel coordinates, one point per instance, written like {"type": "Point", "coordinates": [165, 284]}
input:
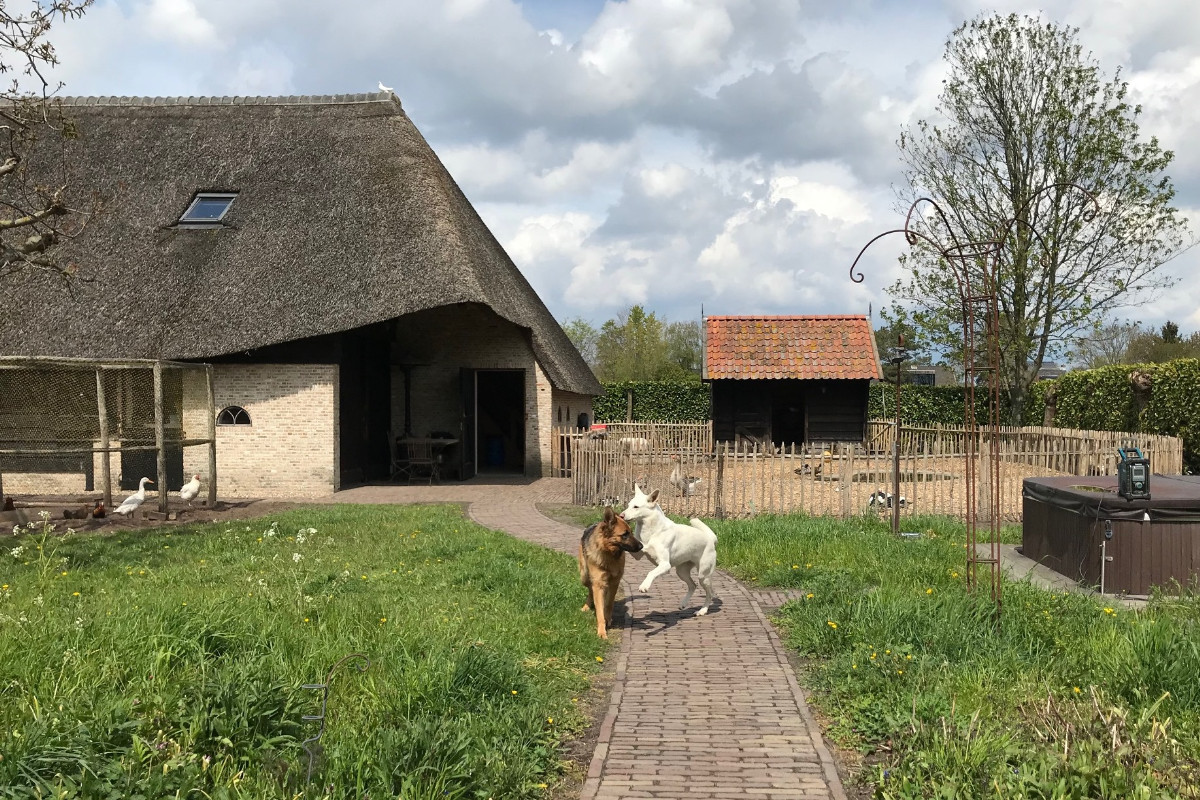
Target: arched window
{"type": "Point", "coordinates": [233, 415]}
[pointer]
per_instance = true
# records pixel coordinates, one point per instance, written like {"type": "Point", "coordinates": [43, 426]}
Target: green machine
{"type": "Point", "coordinates": [1133, 474]}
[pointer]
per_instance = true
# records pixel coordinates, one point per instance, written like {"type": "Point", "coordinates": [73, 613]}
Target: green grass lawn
{"type": "Point", "coordinates": [1064, 697]}
{"type": "Point", "coordinates": [169, 663]}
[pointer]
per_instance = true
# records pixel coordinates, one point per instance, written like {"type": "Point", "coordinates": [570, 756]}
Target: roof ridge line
{"type": "Point", "coordinates": [234, 100]}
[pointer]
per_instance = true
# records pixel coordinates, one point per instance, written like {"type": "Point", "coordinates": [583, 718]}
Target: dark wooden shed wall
{"type": "Point", "coordinates": [790, 411]}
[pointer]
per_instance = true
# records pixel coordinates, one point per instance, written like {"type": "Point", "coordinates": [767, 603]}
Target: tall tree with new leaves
{"type": "Point", "coordinates": [36, 209]}
{"type": "Point", "coordinates": [1024, 111]}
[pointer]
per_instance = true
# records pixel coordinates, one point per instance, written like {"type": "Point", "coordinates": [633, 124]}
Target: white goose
{"type": "Point", "coordinates": [134, 501]}
{"type": "Point", "coordinates": [686, 484]}
{"type": "Point", "coordinates": [188, 492]}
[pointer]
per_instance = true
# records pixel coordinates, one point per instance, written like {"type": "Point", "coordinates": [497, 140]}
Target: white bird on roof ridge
{"type": "Point", "coordinates": [387, 89]}
{"type": "Point", "coordinates": [134, 501]}
{"type": "Point", "coordinates": [188, 492]}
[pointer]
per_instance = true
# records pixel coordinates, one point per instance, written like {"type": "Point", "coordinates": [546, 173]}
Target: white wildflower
{"type": "Point", "coordinates": [300, 537]}
{"type": "Point", "coordinates": [17, 551]}
{"type": "Point", "coordinates": [44, 514]}
{"type": "Point", "coordinates": [296, 557]}
{"type": "Point", "coordinates": [37, 601]}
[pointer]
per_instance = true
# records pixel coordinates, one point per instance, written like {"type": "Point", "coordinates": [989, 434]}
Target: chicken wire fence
{"type": "Point", "coordinates": [70, 427]}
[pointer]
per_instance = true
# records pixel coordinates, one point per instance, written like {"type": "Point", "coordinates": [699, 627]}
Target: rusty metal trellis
{"type": "Point", "coordinates": [324, 687]}
{"type": "Point", "coordinates": [978, 293]}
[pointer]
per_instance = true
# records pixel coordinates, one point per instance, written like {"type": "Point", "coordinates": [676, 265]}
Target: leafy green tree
{"type": "Point", "coordinates": [632, 347]}
{"type": "Point", "coordinates": [684, 356]}
{"type": "Point", "coordinates": [584, 336]}
{"type": "Point", "coordinates": [1025, 112]}
{"type": "Point", "coordinates": [1165, 345]}
{"type": "Point", "coordinates": [899, 324]}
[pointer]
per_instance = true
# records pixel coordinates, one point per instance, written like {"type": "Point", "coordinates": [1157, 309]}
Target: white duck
{"type": "Point", "coordinates": [188, 492]}
{"type": "Point", "coordinates": [134, 501]}
{"type": "Point", "coordinates": [686, 484]}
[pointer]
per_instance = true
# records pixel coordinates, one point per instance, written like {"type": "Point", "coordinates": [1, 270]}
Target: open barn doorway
{"type": "Point", "coordinates": [500, 421]}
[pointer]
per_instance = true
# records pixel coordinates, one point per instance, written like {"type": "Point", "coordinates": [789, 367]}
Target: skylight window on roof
{"type": "Point", "coordinates": [208, 208]}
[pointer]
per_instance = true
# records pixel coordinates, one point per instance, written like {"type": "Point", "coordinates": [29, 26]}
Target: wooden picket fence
{"type": "Point", "coordinates": [639, 437]}
{"type": "Point", "coordinates": [837, 479]}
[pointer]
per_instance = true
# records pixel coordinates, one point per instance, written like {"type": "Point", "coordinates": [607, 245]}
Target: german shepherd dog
{"type": "Point", "coordinates": [602, 563]}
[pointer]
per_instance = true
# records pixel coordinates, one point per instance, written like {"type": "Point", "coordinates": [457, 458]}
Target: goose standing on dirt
{"type": "Point", "coordinates": [189, 490]}
{"type": "Point", "coordinates": [686, 484]}
{"type": "Point", "coordinates": [134, 501]}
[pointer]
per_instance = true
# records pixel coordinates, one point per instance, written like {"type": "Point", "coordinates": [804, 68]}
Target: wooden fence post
{"type": "Point", "coordinates": [105, 465]}
{"type": "Point", "coordinates": [212, 436]}
{"type": "Point", "coordinates": [160, 437]}
{"type": "Point", "coordinates": [719, 501]}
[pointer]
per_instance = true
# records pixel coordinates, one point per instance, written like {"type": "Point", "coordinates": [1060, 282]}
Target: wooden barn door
{"type": "Point", "coordinates": [466, 437]}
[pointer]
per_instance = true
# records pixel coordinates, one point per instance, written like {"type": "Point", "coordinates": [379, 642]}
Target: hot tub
{"type": "Point", "coordinates": [1151, 542]}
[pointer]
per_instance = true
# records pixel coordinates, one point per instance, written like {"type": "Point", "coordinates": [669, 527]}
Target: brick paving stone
{"type": "Point", "coordinates": [700, 706]}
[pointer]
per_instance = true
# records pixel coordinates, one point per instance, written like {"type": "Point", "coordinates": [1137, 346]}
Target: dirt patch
{"type": "Point", "coordinates": [66, 512]}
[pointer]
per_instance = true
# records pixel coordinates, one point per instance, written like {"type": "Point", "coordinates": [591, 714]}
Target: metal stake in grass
{"type": "Point", "coordinates": [324, 687]}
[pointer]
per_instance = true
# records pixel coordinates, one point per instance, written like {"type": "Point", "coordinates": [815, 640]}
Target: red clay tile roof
{"type": "Point", "coordinates": [813, 347]}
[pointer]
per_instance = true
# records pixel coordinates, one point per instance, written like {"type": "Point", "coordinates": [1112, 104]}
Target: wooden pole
{"type": "Point", "coordinates": [212, 435]}
{"type": "Point", "coordinates": [629, 405]}
{"type": "Point", "coordinates": [160, 438]}
{"type": "Point", "coordinates": [719, 490]}
{"type": "Point", "coordinates": [105, 457]}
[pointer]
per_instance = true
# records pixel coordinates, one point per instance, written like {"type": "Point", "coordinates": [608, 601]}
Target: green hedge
{"type": "Point", "coordinates": [928, 405]}
{"type": "Point", "coordinates": [654, 401]}
{"type": "Point", "coordinates": [1103, 400]}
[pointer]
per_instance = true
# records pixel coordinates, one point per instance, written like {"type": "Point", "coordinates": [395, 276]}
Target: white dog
{"type": "Point", "coordinates": [668, 544]}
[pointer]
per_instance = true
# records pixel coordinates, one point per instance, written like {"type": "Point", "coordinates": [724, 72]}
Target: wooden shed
{"type": "Point", "coordinates": [790, 379]}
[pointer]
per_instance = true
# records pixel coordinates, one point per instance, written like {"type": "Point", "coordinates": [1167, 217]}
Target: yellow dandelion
{"type": "Point", "coordinates": [1076, 690]}
{"type": "Point", "coordinates": [514, 691]}
{"type": "Point", "coordinates": [854, 666]}
{"type": "Point", "coordinates": [831, 624]}
{"type": "Point", "coordinates": [929, 591]}
{"type": "Point", "coordinates": [872, 656]}
{"type": "Point", "coordinates": [185, 604]}
{"type": "Point", "coordinates": [953, 574]}
{"type": "Point", "coordinates": [364, 577]}
{"type": "Point", "coordinates": [887, 652]}
{"type": "Point", "coordinates": [909, 657]}
{"type": "Point", "coordinates": [4, 587]}
{"type": "Point", "coordinates": [808, 566]}
{"type": "Point", "coordinates": [574, 699]}
{"type": "Point", "coordinates": [1109, 611]}
{"type": "Point", "coordinates": [64, 572]}
{"type": "Point", "coordinates": [809, 596]}
{"type": "Point", "coordinates": [383, 619]}
{"type": "Point", "coordinates": [795, 566]}
{"type": "Point", "coordinates": [306, 619]}
{"type": "Point", "coordinates": [899, 672]}
{"type": "Point", "coordinates": [550, 720]}
{"type": "Point", "coordinates": [600, 659]}
{"type": "Point", "coordinates": [74, 594]}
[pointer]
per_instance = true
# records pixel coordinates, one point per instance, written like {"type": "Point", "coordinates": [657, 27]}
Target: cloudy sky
{"type": "Point", "coordinates": [674, 153]}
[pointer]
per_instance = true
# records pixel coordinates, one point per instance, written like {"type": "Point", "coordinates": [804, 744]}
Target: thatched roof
{"type": "Point", "coordinates": [344, 217]}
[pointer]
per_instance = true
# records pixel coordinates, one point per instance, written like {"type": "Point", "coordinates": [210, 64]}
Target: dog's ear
{"type": "Point", "coordinates": [654, 496]}
{"type": "Point", "coordinates": [609, 515]}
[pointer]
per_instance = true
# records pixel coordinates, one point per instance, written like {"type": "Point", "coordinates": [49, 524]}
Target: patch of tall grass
{"type": "Point", "coordinates": [170, 662]}
{"type": "Point", "coordinates": [1060, 696]}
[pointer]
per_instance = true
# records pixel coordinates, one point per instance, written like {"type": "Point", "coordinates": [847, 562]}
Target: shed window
{"type": "Point", "coordinates": [208, 208]}
{"type": "Point", "coordinates": [233, 415]}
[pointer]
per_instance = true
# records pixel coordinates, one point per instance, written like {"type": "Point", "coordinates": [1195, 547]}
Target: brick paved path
{"type": "Point", "coordinates": [702, 707]}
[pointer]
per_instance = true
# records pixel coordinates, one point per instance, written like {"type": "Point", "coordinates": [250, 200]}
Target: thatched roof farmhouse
{"type": "Point", "coordinates": [318, 252]}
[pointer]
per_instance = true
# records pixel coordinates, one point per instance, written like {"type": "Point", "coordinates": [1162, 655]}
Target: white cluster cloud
{"type": "Point", "coordinates": [730, 153]}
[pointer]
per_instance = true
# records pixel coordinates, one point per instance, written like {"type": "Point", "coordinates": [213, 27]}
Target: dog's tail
{"type": "Point", "coordinates": [695, 523]}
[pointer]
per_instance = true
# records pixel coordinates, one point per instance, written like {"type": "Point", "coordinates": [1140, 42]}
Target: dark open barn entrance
{"type": "Point", "coordinates": [785, 412]}
{"type": "Point", "coordinates": [500, 420]}
{"type": "Point", "coordinates": [365, 405]}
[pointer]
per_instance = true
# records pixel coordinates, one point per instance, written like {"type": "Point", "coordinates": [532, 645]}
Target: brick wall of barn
{"type": "Point", "coordinates": [442, 342]}
{"type": "Point", "coordinates": [290, 447]}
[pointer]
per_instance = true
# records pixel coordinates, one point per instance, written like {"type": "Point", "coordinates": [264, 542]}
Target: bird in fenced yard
{"type": "Point", "coordinates": [686, 484]}
{"type": "Point", "coordinates": [190, 489]}
{"type": "Point", "coordinates": [135, 500]}
{"type": "Point", "coordinates": [98, 511]}
{"type": "Point", "coordinates": [881, 499]}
